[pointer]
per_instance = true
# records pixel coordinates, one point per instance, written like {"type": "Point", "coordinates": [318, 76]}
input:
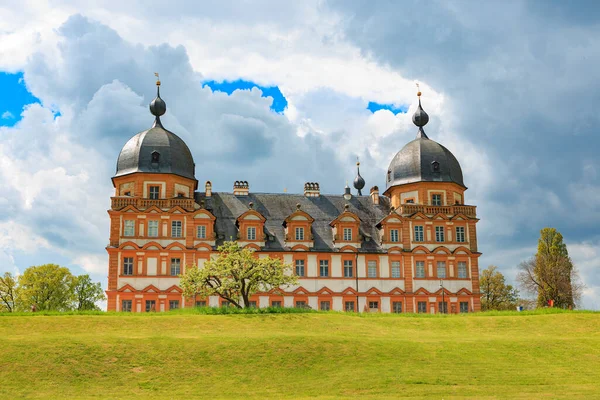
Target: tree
{"type": "Point", "coordinates": [235, 275]}
{"type": "Point", "coordinates": [551, 274]}
{"type": "Point", "coordinates": [495, 293]}
{"type": "Point", "coordinates": [8, 292]}
{"type": "Point", "coordinates": [87, 293]}
{"type": "Point", "coordinates": [47, 287]}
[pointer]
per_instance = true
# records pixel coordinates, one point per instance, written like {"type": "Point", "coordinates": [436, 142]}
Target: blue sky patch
{"type": "Point", "coordinates": [279, 101]}
{"type": "Point", "coordinates": [13, 98]}
{"type": "Point", "coordinates": [372, 106]}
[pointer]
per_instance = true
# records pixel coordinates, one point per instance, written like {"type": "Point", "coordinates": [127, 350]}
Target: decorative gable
{"type": "Point", "coordinates": [251, 225]}
{"type": "Point", "coordinates": [346, 229]}
{"type": "Point", "coordinates": [298, 228]}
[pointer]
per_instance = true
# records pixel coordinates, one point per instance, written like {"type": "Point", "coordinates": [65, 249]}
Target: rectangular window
{"type": "Point", "coordinates": [348, 234]}
{"type": "Point", "coordinates": [128, 266]}
{"type": "Point", "coordinates": [441, 269]}
{"type": "Point", "coordinates": [443, 307]}
{"type": "Point", "coordinates": [173, 304]}
{"type": "Point", "coordinates": [201, 232]}
{"type": "Point", "coordinates": [420, 269]}
{"type": "Point", "coordinates": [394, 236]}
{"type": "Point", "coordinates": [176, 229]}
{"type": "Point", "coordinates": [150, 305]}
{"type": "Point", "coordinates": [397, 307]}
{"type": "Point", "coordinates": [126, 306]}
{"type": "Point", "coordinates": [129, 228]}
{"type": "Point", "coordinates": [348, 269]}
{"type": "Point", "coordinates": [299, 233]}
{"type": "Point", "coordinates": [299, 267]}
{"type": "Point", "coordinates": [373, 306]}
{"type": "Point", "coordinates": [464, 306]}
{"type": "Point", "coordinates": [372, 269]}
{"type": "Point", "coordinates": [175, 266]}
{"type": "Point", "coordinates": [201, 303]}
{"type": "Point", "coordinates": [224, 303]}
{"type": "Point", "coordinates": [251, 233]}
{"type": "Point", "coordinates": [154, 192]}
{"type": "Point", "coordinates": [349, 306]}
{"type": "Point", "coordinates": [152, 228]}
{"type": "Point", "coordinates": [422, 307]}
{"type": "Point", "coordinates": [323, 268]}
{"type": "Point", "coordinates": [436, 199]}
{"type": "Point", "coordinates": [300, 304]}
{"type": "Point", "coordinates": [419, 233]}
{"type": "Point", "coordinates": [462, 270]}
{"type": "Point", "coordinates": [460, 234]}
{"type": "Point", "coordinates": [439, 233]}
{"type": "Point", "coordinates": [396, 269]}
{"type": "Point", "coordinates": [252, 304]}
{"type": "Point", "coordinates": [276, 304]}
{"type": "Point", "coordinates": [325, 306]}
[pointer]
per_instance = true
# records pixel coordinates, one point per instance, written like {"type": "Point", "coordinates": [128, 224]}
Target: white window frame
{"type": "Point", "coordinates": [348, 266]}
{"type": "Point", "coordinates": [175, 266]}
{"type": "Point", "coordinates": [327, 308]}
{"type": "Point", "coordinates": [129, 303]}
{"type": "Point", "coordinates": [129, 227]}
{"type": "Point", "coordinates": [439, 234]}
{"type": "Point", "coordinates": [433, 199]}
{"type": "Point", "coordinates": [394, 303]}
{"type": "Point", "coordinates": [441, 266]}
{"type": "Point", "coordinates": [396, 270]}
{"type": "Point", "coordinates": [172, 302]}
{"type": "Point", "coordinates": [394, 235]}
{"type": "Point", "coordinates": [422, 307]}
{"type": "Point", "coordinates": [300, 267]}
{"type": "Point", "coordinates": [323, 264]}
{"type": "Point", "coordinates": [201, 231]}
{"type": "Point", "coordinates": [128, 265]}
{"type": "Point", "coordinates": [372, 269]}
{"type": "Point", "coordinates": [419, 233]}
{"type": "Point", "coordinates": [153, 228]}
{"type": "Point", "coordinates": [151, 195]}
{"type": "Point", "coordinates": [251, 233]}
{"type": "Point", "coordinates": [460, 234]}
{"type": "Point", "coordinates": [176, 231]}
{"type": "Point", "coordinates": [299, 233]}
{"type": "Point", "coordinates": [420, 266]}
{"type": "Point", "coordinates": [462, 271]}
{"type": "Point", "coordinates": [348, 234]}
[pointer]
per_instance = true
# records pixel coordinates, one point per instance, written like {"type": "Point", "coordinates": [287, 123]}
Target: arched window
{"type": "Point", "coordinates": [435, 166]}
{"type": "Point", "coordinates": [155, 157]}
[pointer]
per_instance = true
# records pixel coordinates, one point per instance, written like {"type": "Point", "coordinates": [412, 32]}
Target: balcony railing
{"type": "Point", "coordinates": [469, 211]}
{"type": "Point", "coordinates": [118, 203]}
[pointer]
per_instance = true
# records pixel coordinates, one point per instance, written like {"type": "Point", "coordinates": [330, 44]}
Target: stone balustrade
{"type": "Point", "coordinates": [120, 202]}
{"type": "Point", "coordinates": [407, 209]}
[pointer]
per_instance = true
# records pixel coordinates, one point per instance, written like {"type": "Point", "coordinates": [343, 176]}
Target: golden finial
{"type": "Point", "coordinates": [284, 190]}
{"type": "Point", "coordinates": [157, 79]}
{"type": "Point", "coordinates": [357, 161]}
{"type": "Point", "coordinates": [418, 89]}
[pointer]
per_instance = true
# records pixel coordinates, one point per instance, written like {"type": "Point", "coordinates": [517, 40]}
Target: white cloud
{"type": "Point", "coordinates": [7, 115]}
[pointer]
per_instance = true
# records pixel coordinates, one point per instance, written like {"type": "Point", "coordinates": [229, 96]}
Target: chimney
{"type": "Point", "coordinates": [311, 189]}
{"type": "Point", "coordinates": [208, 189]}
{"type": "Point", "coordinates": [375, 195]}
{"type": "Point", "coordinates": [240, 188]}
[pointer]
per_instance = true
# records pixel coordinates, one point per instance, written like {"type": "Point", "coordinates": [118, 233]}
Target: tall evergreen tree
{"type": "Point", "coordinates": [551, 273]}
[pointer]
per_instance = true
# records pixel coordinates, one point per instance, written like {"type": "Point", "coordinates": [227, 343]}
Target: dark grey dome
{"type": "Point", "coordinates": [156, 150]}
{"type": "Point", "coordinates": [424, 160]}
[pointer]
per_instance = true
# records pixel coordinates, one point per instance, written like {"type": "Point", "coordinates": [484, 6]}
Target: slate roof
{"type": "Point", "coordinates": [277, 207]}
{"type": "Point", "coordinates": [175, 157]}
{"type": "Point", "coordinates": [414, 163]}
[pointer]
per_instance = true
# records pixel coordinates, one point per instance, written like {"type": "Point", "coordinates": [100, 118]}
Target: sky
{"type": "Point", "coordinates": [280, 93]}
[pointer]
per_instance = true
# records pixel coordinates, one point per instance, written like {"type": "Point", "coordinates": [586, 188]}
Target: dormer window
{"type": "Point", "coordinates": [389, 175]}
{"type": "Point", "coordinates": [155, 157]}
{"type": "Point", "coordinates": [435, 166]}
{"type": "Point", "coordinates": [251, 233]}
{"type": "Point", "coordinates": [348, 234]}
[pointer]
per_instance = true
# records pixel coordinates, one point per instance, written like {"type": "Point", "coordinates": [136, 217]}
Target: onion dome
{"type": "Point", "coordinates": [423, 159]}
{"type": "Point", "coordinates": [359, 182]}
{"type": "Point", "coordinates": [156, 150]}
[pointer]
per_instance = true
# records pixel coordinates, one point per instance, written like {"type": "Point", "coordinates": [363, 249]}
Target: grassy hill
{"type": "Point", "coordinates": [313, 355]}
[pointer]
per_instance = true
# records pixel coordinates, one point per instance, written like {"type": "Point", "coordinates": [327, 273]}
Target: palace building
{"type": "Point", "coordinates": [411, 248]}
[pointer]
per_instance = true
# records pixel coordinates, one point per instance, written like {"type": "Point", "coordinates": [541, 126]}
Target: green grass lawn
{"type": "Point", "coordinates": [293, 356]}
